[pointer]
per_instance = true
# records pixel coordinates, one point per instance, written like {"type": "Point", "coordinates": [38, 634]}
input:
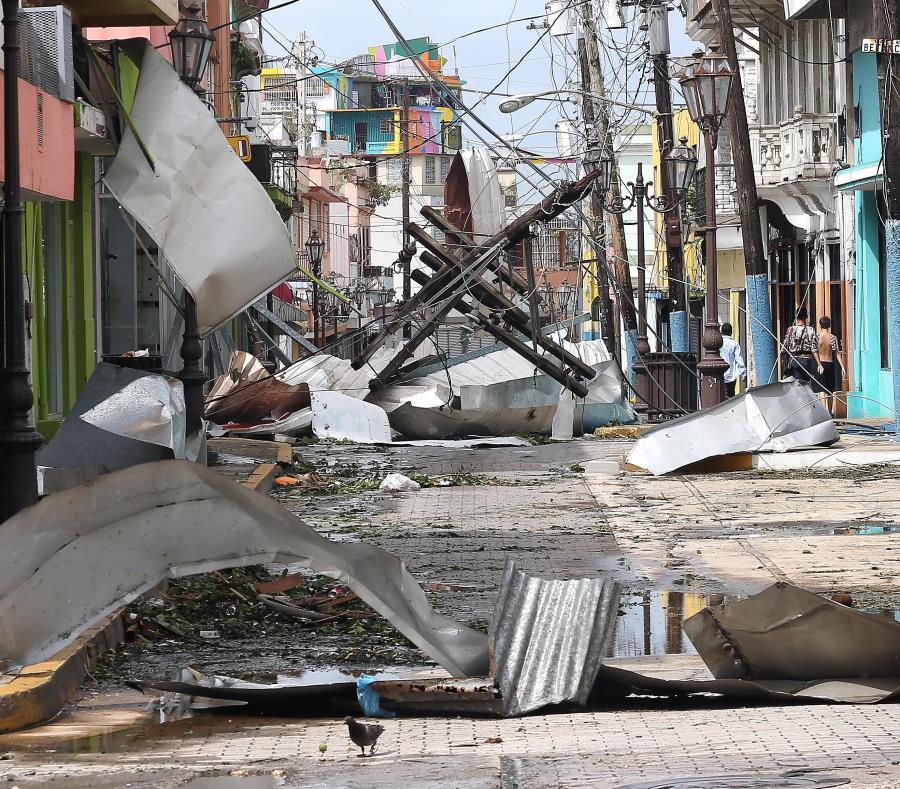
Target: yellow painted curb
{"type": "Point", "coordinates": [39, 692]}
{"type": "Point", "coordinates": [613, 432]}
{"type": "Point", "coordinates": [285, 453]}
{"type": "Point", "coordinates": [261, 478]}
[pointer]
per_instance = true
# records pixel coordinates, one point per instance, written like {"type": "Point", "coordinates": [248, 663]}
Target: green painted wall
{"type": "Point", "coordinates": [72, 228]}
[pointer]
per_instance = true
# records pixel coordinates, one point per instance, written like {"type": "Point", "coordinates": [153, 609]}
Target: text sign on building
{"type": "Point", "coordinates": [241, 145]}
{"type": "Point", "coordinates": [887, 46]}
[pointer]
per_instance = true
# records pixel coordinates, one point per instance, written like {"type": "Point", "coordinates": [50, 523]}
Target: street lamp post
{"type": "Point", "coordinates": [314, 248]}
{"type": "Point", "coordinates": [192, 42]}
{"type": "Point", "coordinates": [680, 163]}
{"type": "Point", "coordinates": [564, 296]}
{"type": "Point", "coordinates": [19, 441]}
{"type": "Point", "coordinates": [706, 85]}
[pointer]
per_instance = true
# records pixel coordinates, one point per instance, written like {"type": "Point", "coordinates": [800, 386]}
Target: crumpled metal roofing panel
{"type": "Point", "coordinates": [507, 365]}
{"type": "Point", "coordinates": [548, 638]}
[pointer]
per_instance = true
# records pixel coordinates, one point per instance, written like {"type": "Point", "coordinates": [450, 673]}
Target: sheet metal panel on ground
{"type": "Point", "coordinates": [77, 556]}
{"type": "Point", "coordinates": [771, 418]}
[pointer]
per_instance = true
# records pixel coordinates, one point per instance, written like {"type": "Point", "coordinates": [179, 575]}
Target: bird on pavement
{"type": "Point", "coordinates": [364, 735]}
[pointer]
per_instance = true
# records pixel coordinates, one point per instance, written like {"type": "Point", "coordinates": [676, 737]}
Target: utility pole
{"type": "Point", "coordinates": [758, 310]}
{"type": "Point", "coordinates": [19, 441]}
{"type": "Point", "coordinates": [405, 175]}
{"type": "Point", "coordinates": [665, 129]}
{"type": "Point", "coordinates": [301, 55]}
{"type": "Point", "coordinates": [624, 289]}
{"type": "Point", "coordinates": [597, 224]}
{"type": "Point", "coordinates": [887, 26]}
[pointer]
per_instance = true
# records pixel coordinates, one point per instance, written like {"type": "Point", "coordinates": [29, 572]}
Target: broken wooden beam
{"type": "Point", "coordinates": [542, 362]}
{"type": "Point", "coordinates": [493, 299]}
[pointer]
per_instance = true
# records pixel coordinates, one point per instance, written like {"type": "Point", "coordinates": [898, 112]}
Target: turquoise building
{"type": "Point", "coordinates": [869, 359]}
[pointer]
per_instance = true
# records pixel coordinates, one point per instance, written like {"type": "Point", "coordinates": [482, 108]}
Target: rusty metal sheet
{"type": "Point", "coordinates": [787, 633]}
{"type": "Point", "coordinates": [547, 638]}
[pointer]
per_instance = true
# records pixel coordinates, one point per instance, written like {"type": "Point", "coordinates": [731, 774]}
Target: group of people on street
{"type": "Point", "coordinates": [809, 356]}
{"type": "Point", "coordinates": [814, 357]}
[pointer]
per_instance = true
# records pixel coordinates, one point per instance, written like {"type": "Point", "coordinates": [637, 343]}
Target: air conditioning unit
{"type": "Point", "coordinates": [45, 58]}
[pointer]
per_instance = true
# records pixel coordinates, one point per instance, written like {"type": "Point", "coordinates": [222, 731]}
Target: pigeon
{"type": "Point", "coordinates": [363, 734]}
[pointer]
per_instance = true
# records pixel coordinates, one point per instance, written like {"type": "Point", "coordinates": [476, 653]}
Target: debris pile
{"type": "Point", "coordinates": [548, 641]}
{"type": "Point", "coordinates": [494, 392]}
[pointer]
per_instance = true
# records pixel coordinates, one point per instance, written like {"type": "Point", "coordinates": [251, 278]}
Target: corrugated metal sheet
{"type": "Point", "coordinates": [507, 365]}
{"type": "Point", "coordinates": [548, 638]}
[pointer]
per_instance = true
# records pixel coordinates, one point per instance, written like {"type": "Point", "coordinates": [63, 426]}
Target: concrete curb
{"type": "Point", "coordinates": [262, 477]}
{"type": "Point", "coordinates": [39, 692]}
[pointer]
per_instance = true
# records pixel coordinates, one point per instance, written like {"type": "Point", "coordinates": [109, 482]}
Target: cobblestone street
{"type": "Point", "coordinates": [671, 541]}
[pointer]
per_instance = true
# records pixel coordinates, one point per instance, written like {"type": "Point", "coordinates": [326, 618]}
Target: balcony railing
{"type": "Point", "coordinates": [802, 147]}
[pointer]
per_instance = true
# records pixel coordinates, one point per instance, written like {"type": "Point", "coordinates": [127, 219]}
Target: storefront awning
{"type": "Point", "coordinates": [864, 177]}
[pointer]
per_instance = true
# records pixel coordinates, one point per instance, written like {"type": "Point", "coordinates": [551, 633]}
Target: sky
{"type": "Point", "coordinates": [343, 28]}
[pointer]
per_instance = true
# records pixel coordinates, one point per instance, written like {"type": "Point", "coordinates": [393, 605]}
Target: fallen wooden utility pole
{"type": "Point", "coordinates": [472, 262]}
{"type": "Point", "coordinates": [759, 313]}
{"type": "Point", "coordinates": [471, 271]}
{"type": "Point", "coordinates": [494, 300]}
{"type": "Point", "coordinates": [544, 363]}
{"type": "Point", "coordinates": [449, 229]}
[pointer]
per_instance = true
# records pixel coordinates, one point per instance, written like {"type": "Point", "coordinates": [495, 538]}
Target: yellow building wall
{"type": "Point", "coordinates": [683, 126]}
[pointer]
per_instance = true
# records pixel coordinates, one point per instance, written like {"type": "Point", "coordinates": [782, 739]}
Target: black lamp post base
{"type": "Point", "coordinates": [712, 368]}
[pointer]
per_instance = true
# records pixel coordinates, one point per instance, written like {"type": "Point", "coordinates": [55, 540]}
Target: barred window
{"type": "Point", "coordinates": [395, 171]}
{"type": "Point", "coordinates": [446, 161]}
{"type": "Point", "coordinates": [281, 90]}
{"type": "Point", "coordinates": [385, 126]}
{"type": "Point", "coordinates": [429, 170]}
{"type": "Point", "coordinates": [316, 86]}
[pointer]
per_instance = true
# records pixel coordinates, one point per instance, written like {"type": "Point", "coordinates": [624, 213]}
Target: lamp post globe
{"type": "Point", "coordinates": [315, 246]}
{"type": "Point", "coordinates": [706, 85]}
{"type": "Point", "coordinates": [192, 43]}
{"type": "Point", "coordinates": [681, 163]}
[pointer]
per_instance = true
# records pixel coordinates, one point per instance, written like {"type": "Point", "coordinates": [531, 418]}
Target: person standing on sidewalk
{"type": "Point", "coordinates": [731, 353]}
{"type": "Point", "coordinates": [830, 354]}
{"type": "Point", "coordinates": [801, 345]}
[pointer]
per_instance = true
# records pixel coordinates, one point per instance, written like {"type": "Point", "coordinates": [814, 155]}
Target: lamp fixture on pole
{"type": "Point", "coordinates": [681, 162]}
{"type": "Point", "coordinates": [706, 85]}
{"type": "Point", "coordinates": [191, 44]}
{"type": "Point", "coordinates": [315, 246]}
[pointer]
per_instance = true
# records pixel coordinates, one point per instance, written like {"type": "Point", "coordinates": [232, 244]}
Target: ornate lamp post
{"type": "Point", "coordinates": [314, 248]}
{"type": "Point", "coordinates": [681, 163]}
{"type": "Point", "coordinates": [19, 441]}
{"type": "Point", "coordinates": [565, 295]}
{"type": "Point", "coordinates": [706, 85]}
{"type": "Point", "coordinates": [191, 42]}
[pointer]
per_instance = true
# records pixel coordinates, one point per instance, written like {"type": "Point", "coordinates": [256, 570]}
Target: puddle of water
{"type": "Point", "coordinates": [651, 624]}
{"type": "Point", "coordinates": [238, 782]}
{"type": "Point", "coordinates": [865, 530]}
